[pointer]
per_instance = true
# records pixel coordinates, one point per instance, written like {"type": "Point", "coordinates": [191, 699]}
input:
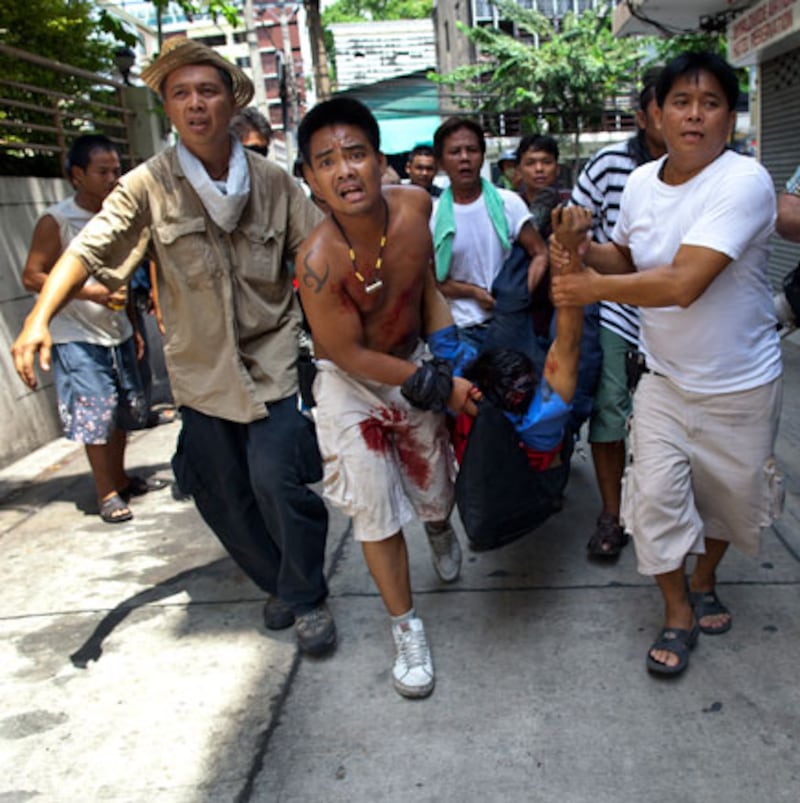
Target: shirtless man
{"type": "Point", "coordinates": [368, 290]}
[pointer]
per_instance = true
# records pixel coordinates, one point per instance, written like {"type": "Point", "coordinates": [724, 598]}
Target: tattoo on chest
{"type": "Point", "coordinates": [313, 280]}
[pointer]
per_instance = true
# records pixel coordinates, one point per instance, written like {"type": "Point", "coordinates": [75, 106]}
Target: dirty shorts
{"type": "Point", "coordinates": [384, 460]}
{"type": "Point", "coordinates": [702, 467]}
{"type": "Point", "coordinates": [99, 390]}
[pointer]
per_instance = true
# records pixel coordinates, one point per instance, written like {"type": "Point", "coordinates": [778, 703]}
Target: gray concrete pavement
{"type": "Point", "coordinates": [135, 667]}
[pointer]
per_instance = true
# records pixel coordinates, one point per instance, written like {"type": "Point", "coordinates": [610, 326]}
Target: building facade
{"type": "Point", "coordinates": [368, 52]}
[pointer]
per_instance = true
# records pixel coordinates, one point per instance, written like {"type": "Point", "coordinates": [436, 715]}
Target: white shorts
{"type": "Point", "coordinates": [384, 460]}
{"type": "Point", "coordinates": [701, 466]}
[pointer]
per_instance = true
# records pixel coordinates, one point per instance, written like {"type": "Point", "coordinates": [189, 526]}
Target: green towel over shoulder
{"type": "Point", "coordinates": [444, 227]}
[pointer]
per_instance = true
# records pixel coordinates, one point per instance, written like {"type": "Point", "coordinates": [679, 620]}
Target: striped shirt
{"type": "Point", "coordinates": [599, 189]}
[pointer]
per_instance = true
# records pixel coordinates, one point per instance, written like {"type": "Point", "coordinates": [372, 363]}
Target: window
{"type": "Point", "coordinates": [215, 40]}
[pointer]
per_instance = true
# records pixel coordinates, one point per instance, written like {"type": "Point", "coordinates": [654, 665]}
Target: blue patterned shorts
{"type": "Point", "coordinates": [99, 390]}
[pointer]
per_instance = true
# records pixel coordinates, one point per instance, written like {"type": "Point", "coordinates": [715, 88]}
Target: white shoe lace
{"type": "Point", "coordinates": [413, 647]}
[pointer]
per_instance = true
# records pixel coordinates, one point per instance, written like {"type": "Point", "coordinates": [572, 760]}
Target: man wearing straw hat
{"type": "Point", "coordinates": [221, 223]}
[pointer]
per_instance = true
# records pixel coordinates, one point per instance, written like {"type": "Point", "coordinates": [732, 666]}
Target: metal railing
{"type": "Point", "coordinates": [41, 116]}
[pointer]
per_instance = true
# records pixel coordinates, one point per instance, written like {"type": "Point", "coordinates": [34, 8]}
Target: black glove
{"type": "Point", "coordinates": [430, 386]}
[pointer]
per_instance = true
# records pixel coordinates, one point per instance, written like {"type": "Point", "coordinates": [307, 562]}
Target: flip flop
{"type": "Point", "coordinates": [677, 641]}
{"type": "Point", "coordinates": [139, 486]}
{"type": "Point", "coordinates": [114, 510]}
{"type": "Point", "coordinates": [707, 603]}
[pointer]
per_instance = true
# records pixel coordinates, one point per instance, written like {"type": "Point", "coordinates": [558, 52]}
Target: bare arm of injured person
{"type": "Point", "coordinates": [570, 226]}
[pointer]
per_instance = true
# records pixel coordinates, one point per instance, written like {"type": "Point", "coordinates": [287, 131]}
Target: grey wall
{"type": "Point", "coordinates": [29, 419]}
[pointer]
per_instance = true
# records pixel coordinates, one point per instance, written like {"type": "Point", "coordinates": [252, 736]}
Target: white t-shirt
{"type": "Point", "coordinates": [726, 340]}
{"type": "Point", "coordinates": [477, 252]}
{"type": "Point", "coordinates": [81, 320]}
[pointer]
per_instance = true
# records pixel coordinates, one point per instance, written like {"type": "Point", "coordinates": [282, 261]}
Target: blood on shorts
{"type": "Point", "coordinates": [375, 436]}
{"type": "Point", "coordinates": [388, 429]}
{"type": "Point", "coordinates": [417, 468]}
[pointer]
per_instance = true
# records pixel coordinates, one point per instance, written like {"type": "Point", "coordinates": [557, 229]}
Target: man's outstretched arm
{"type": "Point", "coordinates": [64, 280]}
{"type": "Point", "coordinates": [570, 226]}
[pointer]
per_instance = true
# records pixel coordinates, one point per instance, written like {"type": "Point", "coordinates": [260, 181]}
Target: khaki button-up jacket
{"type": "Point", "coordinates": [230, 312]}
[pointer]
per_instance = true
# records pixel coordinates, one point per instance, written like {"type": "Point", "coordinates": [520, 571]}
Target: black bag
{"type": "Point", "coordinates": [499, 496]}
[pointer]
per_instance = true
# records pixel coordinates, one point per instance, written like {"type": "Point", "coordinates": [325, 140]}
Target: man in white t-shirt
{"type": "Point", "coordinates": [474, 225]}
{"type": "Point", "coordinates": [690, 249]}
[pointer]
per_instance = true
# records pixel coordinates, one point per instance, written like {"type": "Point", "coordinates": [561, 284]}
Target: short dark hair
{"type": "Point", "coordinates": [537, 142]}
{"type": "Point", "coordinates": [690, 64]}
{"type": "Point", "coordinates": [645, 96]}
{"type": "Point", "coordinates": [450, 126]}
{"type": "Point", "coordinates": [506, 377]}
{"type": "Point", "coordinates": [250, 119]}
{"type": "Point", "coordinates": [648, 91]}
{"type": "Point", "coordinates": [420, 150]}
{"type": "Point", "coordinates": [343, 110]}
{"type": "Point", "coordinates": [80, 152]}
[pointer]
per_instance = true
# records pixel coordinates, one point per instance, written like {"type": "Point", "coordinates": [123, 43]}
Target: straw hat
{"type": "Point", "coordinates": [179, 51]}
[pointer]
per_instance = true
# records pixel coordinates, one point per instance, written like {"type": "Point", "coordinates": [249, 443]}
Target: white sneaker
{"type": "Point", "coordinates": [445, 551]}
{"type": "Point", "coordinates": [412, 673]}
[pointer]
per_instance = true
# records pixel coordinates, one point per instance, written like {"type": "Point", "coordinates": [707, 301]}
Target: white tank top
{"type": "Point", "coordinates": [80, 320]}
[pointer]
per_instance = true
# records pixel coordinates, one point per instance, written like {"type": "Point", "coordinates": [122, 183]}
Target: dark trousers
{"type": "Point", "coordinates": [249, 484]}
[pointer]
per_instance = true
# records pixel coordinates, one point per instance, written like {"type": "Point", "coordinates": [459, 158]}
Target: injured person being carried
{"type": "Point", "coordinates": [514, 455]}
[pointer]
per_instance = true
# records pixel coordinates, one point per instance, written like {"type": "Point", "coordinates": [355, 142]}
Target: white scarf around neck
{"type": "Point", "coordinates": [224, 207]}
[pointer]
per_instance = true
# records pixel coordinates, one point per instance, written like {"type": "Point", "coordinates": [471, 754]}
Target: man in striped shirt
{"type": "Point", "coordinates": [599, 189]}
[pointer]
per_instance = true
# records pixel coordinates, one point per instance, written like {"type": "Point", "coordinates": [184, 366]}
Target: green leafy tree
{"type": "Point", "coordinates": [563, 84]}
{"type": "Point", "coordinates": [191, 8]}
{"type": "Point", "coordinates": [44, 108]}
{"type": "Point", "coordinates": [665, 49]}
{"type": "Point", "coordinates": [69, 31]}
{"type": "Point", "coordinates": [359, 10]}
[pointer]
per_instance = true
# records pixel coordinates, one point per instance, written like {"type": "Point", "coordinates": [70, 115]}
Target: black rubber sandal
{"type": "Point", "coordinates": [114, 510]}
{"type": "Point", "coordinates": [139, 486]}
{"type": "Point", "coordinates": [707, 603]}
{"type": "Point", "coordinates": [608, 539]}
{"type": "Point", "coordinates": [677, 641]}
